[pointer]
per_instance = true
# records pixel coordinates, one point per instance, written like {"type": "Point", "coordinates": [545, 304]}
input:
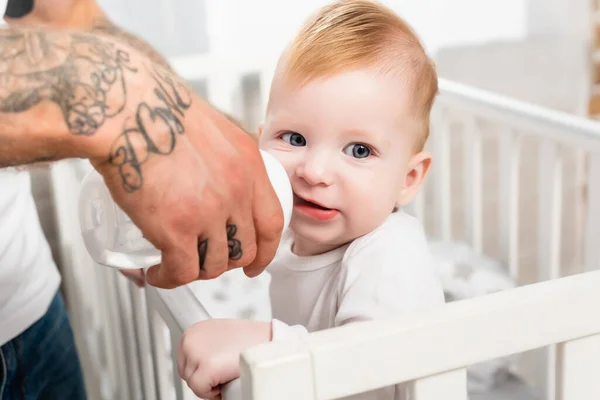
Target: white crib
{"type": "Point", "coordinates": [491, 155]}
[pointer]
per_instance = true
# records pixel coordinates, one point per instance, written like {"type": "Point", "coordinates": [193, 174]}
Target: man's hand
{"type": "Point", "coordinates": [210, 350]}
{"type": "Point", "coordinates": [196, 186]}
{"type": "Point", "coordinates": [192, 181]}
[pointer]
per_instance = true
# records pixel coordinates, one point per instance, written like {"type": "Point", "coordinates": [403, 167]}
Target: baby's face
{"type": "Point", "coordinates": [345, 144]}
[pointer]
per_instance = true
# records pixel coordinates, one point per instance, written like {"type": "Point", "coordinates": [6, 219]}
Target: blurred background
{"type": "Point", "coordinates": [538, 50]}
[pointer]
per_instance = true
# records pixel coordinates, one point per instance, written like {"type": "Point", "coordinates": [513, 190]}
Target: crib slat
{"type": "Point", "coordinates": [578, 372]}
{"type": "Point", "coordinates": [579, 177]}
{"type": "Point", "coordinates": [177, 381]}
{"type": "Point", "coordinates": [142, 336]}
{"type": "Point", "coordinates": [278, 370]}
{"type": "Point", "coordinates": [472, 171]}
{"type": "Point", "coordinates": [549, 211]}
{"type": "Point", "coordinates": [509, 159]}
{"type": "Point", "coordinates": [549, 225]}
{"type": "Point", "coordinates": [441, 172]}
{"type": "Point", "coordinates": [592, 232]}
{"type": "Point", "coordinates": [113, 331]}
{"type": "Point", "coordinates": [132, 360]}
{"type": "Point", "coordinates": [450, 385]}
{"type": "Point", "coordinates": [224, 92]}
{"type": "Point", "coordinates": [160, 354]}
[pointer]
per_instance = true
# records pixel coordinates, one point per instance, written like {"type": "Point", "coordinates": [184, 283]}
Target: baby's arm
{"type": "Point", "coordinates": [209, 352]}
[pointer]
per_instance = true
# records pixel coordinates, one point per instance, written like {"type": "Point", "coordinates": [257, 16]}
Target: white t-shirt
{"type": "Point", "coordinates": [29, 278]}
{"type": "Point", "coordinates": [386, 273]}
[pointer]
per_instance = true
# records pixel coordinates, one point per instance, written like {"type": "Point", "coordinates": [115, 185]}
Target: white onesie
{"type": "Point", "coordinates": [387, 273]}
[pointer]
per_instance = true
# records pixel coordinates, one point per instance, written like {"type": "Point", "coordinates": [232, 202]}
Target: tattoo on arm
{"type": "Point", "coordinates": [172, 99]}
{"type": "Point", "coordinates": [84, 76]}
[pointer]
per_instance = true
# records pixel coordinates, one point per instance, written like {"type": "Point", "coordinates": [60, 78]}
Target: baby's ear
{"type": "Point", "coordinates": [418, 167]}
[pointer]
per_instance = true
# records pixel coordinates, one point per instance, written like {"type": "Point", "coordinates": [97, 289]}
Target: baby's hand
{"type": "Point", "coordinates": [209, 353]}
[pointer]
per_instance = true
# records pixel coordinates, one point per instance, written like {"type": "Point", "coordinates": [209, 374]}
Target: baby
{"type": "Point", "coordinates": [348, 116]}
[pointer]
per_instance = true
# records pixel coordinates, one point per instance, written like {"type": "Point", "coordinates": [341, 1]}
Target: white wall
{"type": "Point", "coordinates": [175, 27]}
{"type": "Point", "coordinates": [257, 25]}
{"type": "Point", "coordinates": [559, 17]}
{"type": "Point", "coordinates": [179, 27]}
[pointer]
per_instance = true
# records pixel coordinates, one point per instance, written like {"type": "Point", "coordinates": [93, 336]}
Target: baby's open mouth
{"type": "Point", "coordinates": [300, 201]}
{"type": "Point", "coordinates": [314, 210]}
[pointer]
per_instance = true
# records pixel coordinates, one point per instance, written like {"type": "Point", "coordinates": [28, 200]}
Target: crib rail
{"type": "Point", "coordinates": [546, 197]}
{"type": "Point", "coordinates": [431, 350]}
{"type": "Point", "coordinates": [515, 181]}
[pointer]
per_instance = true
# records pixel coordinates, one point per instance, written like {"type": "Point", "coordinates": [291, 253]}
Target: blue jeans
{"type": "Point", "coordinates": [42, 362]}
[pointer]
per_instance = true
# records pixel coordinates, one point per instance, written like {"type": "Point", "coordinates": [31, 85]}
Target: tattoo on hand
{"type": "Point", "coordinates": [151, 123]}
{"type": "Point", "coordinates": [235, 246]}
{"type": "Point", "coordinates": [38, 66]}
{"type": "Point", "coordinates": [202, 250]}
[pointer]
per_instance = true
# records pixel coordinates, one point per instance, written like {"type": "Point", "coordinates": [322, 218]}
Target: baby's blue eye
{"type": "Point", "coordinates": [293, 138]}
{"type": "Point", "coordinates": [358, 151]}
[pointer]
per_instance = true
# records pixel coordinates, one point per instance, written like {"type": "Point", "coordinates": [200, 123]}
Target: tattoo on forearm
{"type": "Point", "coordinates": [235, 246]}
{"type": "Point", "coordinates": [148, 128]}
{"type": "Point", "coordinates": [84, 76]}
{"type": "Point", "coordinates": [202, 250]}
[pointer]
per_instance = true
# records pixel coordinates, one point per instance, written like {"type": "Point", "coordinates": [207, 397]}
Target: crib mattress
{"type": "Point", "coordinates": [513, 388]}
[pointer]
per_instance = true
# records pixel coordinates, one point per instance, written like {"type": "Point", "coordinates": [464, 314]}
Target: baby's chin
{"type": "Point", "coordinates": [320, 238]}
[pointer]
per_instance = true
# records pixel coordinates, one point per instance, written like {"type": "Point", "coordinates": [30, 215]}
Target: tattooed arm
{"type": "Point", "coordinates": [182, 171]}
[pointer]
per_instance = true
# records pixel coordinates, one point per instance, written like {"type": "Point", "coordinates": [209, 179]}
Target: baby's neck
{"type": "Point", "coordinates": [305, 248]}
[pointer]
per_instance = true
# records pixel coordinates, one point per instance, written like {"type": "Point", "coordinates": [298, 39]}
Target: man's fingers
{"type": "Point", "coordinates": [179, 266]}
{"type": "Point", "coordinates": [268, 223]}
{"type": "Point", "coordinates": [213, 252]}
{"type": "Point", "coordinates": [241, 239]}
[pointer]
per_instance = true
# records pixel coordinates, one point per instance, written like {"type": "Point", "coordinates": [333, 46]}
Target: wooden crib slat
{"type": "Point", "coordinates": [441, 173]}
{"type": "Point", "coordinates": [549, 226]}
{"type": "Point", "coordinates": [473, 185]}
{"type": "Point", "coordinates": [592, 231]}
{"type": "Point", "coordinates": [509, 159]}
{"type": "Point", "coordinates": [161, 355]}
{"type": "Point", "coordinates": [549, 211]}
{"type": "Point", "coordinates": [450, 385]}
{"type": "Point", "coordinates": [116, 339]}
{"type": "Point", "coordinates": [224, 92]}
{"type": "Point", "coordinates": [578, 371]}
{"type": "Point", "coordinates": [143, 345]}
{"type": "Point", "coordinates": [177, 381]}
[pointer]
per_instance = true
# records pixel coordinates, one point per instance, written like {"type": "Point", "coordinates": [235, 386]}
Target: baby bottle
{"type": "Point", "coordinates": [113, 240]}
